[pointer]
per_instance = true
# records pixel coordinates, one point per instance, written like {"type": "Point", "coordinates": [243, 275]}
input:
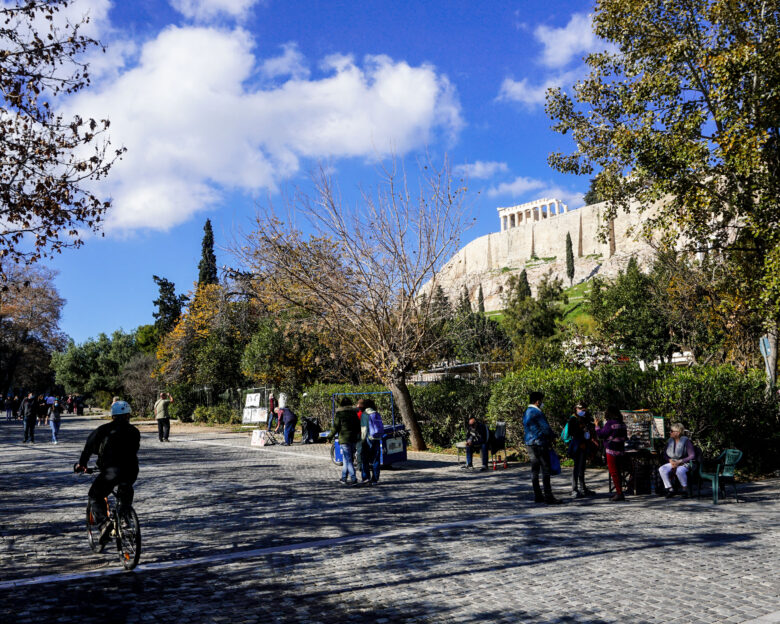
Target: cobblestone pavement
{"type": "Point", "coordinates": [238, 534]}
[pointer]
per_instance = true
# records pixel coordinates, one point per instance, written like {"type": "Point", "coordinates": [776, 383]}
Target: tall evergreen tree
{"type": "Point", "coordinates": [207, 268]}
{"type": "Point", "coordinates": [569, 259]}
{"type": "Point", "coordinates": [464, 305]}
{"type": "Point", "coordinates": [169, 306]}
{"type": "Point", "coordinates": [480, 301]}
{"type": "Point", "coordinates": [519, 287]}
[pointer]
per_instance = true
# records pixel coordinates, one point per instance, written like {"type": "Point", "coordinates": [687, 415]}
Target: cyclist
{"type": "Point", "coordinates": [116, 445]}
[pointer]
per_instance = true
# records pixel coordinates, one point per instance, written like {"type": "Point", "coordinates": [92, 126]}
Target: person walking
{"type": "Point", "coordinates": [29, 411]}
{"type": "Point", "coordinates": [579, 432]}
{"type": "Point", "coordinates": [162, 415]}
{"type": "Point", "coordinates": [55, 415]}
{"type": "Point", "coordinates": [614, 433]}
{"type": "Point", "coordinates": [9, 407]}
{"type": "Point", "coordinates": [346, 426]}
{"type": "Point", "coordinates": [43, 409]}
{"type": "Point", "coordinates": [538, 440]}
{"type": "Point", "coordinates": [17, 403]}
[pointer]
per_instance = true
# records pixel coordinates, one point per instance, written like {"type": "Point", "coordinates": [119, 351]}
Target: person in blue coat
{"type": "Point", "coordinates": [538, 442]}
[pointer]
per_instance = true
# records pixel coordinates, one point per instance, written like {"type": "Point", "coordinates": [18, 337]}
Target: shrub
{"type": "Point", "coordinates": [442, 408]}
{"type": "Point", "coordinates": [721, 406]}
{"type": "Point", "coordinates": [315, 402]}
{"type": "Point", "coordinates": [220, 414]}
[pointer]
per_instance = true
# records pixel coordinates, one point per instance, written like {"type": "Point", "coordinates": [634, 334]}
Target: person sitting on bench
{"type": "Point", "coordinates": [477, 435]}
{"type": "Point", "coordinates": [680, 453]}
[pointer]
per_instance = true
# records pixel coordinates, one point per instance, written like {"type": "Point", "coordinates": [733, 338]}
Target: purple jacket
{"type": "Point", "coordinates": [615, 435]}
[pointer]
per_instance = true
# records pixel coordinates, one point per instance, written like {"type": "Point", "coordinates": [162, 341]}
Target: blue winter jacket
{"type": "Point", "coordinates": [537, 429]}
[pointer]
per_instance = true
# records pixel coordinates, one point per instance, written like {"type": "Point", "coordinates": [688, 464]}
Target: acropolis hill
{"type": "Point", "coordinates": [532, 236]}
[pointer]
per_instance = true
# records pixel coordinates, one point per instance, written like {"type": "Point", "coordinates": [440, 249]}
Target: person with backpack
{"type": "Point", "coordinates": [116, 445]}
{"type": "Point", "coordinates": [372, 442]}
{"type": "Point", "coordinates": [577, 436]}
{"type": "Point", "coordinates": [477, 436]}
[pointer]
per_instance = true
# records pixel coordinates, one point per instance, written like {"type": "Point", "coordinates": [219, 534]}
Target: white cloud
{"type": "Point", "coordinates": [534, 94]}
{"type": "Point", "coordinates": [561, 45]}
{"type": "Point", "coordinates": [480, 170]}
{"type": "Point", "coordinates": [194, 129]}
{"type": "Point", "coordinates": [519, 186]}
{"type": "Point", "coordinates": [204, 10]}
{"type": "Point", "coordinates": [532, 188]}
{"type": "Point", "coordinates": [291, 63]}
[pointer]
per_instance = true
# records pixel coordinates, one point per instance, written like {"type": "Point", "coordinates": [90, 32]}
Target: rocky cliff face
{"type": "Point", "coordinates": [539, 247]}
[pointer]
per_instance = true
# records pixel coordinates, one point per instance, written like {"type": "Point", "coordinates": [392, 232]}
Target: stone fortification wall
{"type": "Point", "coordinates": [537, 242]}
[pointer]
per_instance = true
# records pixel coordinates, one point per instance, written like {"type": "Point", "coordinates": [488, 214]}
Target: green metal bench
{"type": "Point", "coordinates": [722, 475]}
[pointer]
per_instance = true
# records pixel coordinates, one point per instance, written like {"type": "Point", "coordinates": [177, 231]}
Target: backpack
{"type": "Point", "coordinates": [565, 435]}
{"type": "Point", "coordinates": [376, 428]}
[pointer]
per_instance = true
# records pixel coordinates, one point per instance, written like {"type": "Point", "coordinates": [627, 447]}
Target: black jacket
{"type": "Point", "coordinates": [478, 434]}
{"type": "Point", "coordinates": [116, 445]}
{"type": "Point", "coordinates": [29, 408]}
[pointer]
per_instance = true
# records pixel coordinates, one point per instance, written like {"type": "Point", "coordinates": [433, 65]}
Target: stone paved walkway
{"type": "Point", "coordinates": [239, 534]}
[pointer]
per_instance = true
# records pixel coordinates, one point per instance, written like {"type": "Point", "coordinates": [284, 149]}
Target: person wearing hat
{"type": "Point", "coordinates": [55, 415]}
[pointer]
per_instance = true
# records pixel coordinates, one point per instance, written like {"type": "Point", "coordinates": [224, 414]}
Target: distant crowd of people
{"type": "Point", "coordinates": [42, 410]}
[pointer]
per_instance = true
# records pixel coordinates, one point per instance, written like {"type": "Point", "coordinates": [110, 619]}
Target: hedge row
{"type": "Point", "coordinates": [721, 406]}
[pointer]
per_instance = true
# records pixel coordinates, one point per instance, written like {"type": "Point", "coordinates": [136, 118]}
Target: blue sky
{"type": "Point", "coordinates": [222, 104]}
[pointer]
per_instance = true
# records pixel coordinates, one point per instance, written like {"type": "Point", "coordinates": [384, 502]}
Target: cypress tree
{"type": "Point", "coordinates": [480, 301]}
{"type": "Point", "coordinates": [523, 288]}
{"type": "Point", "coordinates": [207, 268]}
{"type": "Point", "coordinates": [169, 306]}
{"type": "Point", "coordinates": [464, 305]}
{"type": "Point", "coordinates": [569, 259]}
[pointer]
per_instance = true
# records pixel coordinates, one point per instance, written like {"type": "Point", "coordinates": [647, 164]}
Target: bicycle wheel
{"type": "Point", "coordinates": [93, 531]}
{"type": "Point", "coordinates": [333, 455]}
{"type": "Point", "coordinates": [128, 540]}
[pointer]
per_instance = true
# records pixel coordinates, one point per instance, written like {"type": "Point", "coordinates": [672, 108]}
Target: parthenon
{"type": "Point", "coordinates": [535, 210]}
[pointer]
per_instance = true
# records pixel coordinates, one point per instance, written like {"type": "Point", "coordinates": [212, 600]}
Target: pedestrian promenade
{"type": "Point", "coordinates": [234, 533]}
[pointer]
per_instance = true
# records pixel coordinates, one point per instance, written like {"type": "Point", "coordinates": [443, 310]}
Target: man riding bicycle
{"type": "Point", "coordinates": [116, 445]}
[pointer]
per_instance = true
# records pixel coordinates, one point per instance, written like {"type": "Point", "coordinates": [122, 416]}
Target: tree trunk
{"type": "Point", "coordinates": [771, 381]}
{"type": "Point", "coordinates": [403, 402]}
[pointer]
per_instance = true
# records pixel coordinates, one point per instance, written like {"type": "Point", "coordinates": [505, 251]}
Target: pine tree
{"type": "Point", "coordinates": [569, 259]}
{"type": "Point", "coordinates": [207, 268]}
{"type": "Point", "coordinates": [169, 306]}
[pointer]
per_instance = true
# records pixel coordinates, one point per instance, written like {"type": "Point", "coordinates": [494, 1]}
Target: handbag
{"type": "Point", "coordinates": [555, 463]}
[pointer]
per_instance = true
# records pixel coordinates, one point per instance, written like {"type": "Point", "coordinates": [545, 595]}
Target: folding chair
{"type": "Point", "coordinates": [497, 443]}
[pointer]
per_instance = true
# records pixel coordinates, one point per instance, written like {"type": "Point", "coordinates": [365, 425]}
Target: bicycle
{"type": "Point", "coordinates": [125, 529]}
